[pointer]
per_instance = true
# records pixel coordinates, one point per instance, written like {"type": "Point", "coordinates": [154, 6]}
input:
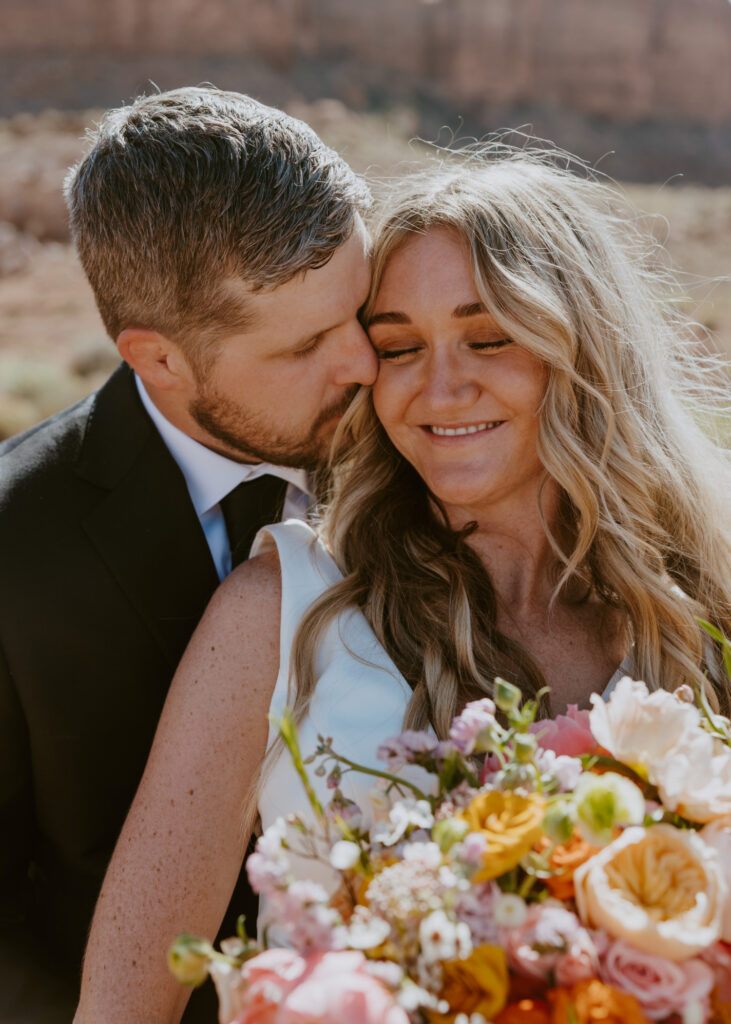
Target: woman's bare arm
{"type": "Point", "coordinates": [180, 852]}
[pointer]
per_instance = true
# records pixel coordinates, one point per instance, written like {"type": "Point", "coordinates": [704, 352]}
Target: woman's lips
{"type": "Point", "coordinates": [461, 430]}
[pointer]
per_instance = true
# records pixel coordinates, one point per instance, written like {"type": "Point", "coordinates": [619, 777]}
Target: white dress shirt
{"type": "Point", "coordinates": [210, 477]}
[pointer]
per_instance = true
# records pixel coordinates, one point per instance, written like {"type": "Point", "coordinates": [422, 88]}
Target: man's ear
{"type": "Point", "coordinates": [156, 359]}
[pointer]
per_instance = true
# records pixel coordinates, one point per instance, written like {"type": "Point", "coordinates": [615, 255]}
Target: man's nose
{"type": "Point", "coordinates": [357, 362]}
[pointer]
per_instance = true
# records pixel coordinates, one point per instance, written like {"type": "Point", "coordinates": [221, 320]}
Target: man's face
{"type": "Point", "coordinates": [276, 392]}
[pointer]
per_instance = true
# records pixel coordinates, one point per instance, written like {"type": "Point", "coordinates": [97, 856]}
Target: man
{"type": "Point", "coordinates": [226, 251]}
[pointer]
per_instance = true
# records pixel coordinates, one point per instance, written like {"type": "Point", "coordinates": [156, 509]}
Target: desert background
{"type": "Point", "coordinates": [639, 88]}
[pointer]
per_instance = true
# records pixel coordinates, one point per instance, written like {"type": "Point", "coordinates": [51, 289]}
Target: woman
{"type": "Point", "coordinates": [524, 493]}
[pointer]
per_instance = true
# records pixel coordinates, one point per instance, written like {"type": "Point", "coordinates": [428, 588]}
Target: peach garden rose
{"type": "Point", "coordinates": [661, 889]}
{"type": "Point", "coordinates": [718, 835]}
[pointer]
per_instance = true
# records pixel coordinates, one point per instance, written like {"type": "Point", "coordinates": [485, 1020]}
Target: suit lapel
{"type": "Point", "coordinates": [145, 528]}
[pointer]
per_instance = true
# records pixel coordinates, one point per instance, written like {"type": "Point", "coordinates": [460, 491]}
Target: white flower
{"type": "Point", "coordinates": [660, 735]}
{"type": "Point", "coordinates": [403, 815]}
{"type": "Point", "coordinates": [510, 910]}
{"type": "Point", "coordinates": [269, 843]}
{"type": "Point", "coordinates": [344, 855]}
{"type": "Point", "coordinates": [640, 728]}
{"type": "Point", "coordinates": [427, 854]}
{"type": "Point", "coordinates": [694, 1012]}
{"type": "Point", "coordinates": [366, 930]}
{"type": "Point", "coordinates": [379, 800]}
{"type": "Point", "coordinates": [695, 779]}
{"type": "Point", "coordinates": [443, 939]}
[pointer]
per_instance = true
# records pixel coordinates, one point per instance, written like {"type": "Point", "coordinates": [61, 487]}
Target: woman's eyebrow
{"type": "Point", "coordinates": [388, 318]}
{"type": "Point", "coordinates": [469, 309]}
{"type": "Point", "coordinates": [459, 312]}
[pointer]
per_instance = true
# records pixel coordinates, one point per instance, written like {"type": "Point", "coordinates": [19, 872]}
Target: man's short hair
{"type": "Point", "coordinates": [183, 190]}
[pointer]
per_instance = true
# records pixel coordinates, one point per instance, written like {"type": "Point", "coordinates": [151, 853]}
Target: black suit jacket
{"type": "Point", "coordinates": [104, 574]}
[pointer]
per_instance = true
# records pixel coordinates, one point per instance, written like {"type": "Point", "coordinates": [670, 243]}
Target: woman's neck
{"type": "Point", "coordinates": [513, 545]}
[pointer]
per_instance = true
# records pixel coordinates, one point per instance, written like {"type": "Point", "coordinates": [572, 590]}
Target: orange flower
{"type": "Point", "coordinates": [564, 860]}
{"type": "Point", "coordinates": [477, 984]}
{"type": "Point", "coordinates": [510, 823]}
{"type": "Point", "coordinates": [720, 1009]}
{"type": "Point", "coordinates": [593, 1002]}
{"type": "Point", "coordinates": [527, 1011]}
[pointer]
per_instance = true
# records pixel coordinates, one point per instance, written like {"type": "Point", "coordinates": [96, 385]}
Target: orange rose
{"type": "Point", "coordinates": [510, 823]}
{"type": "Point", "coordinates": [477, 984]}
{"type": "Point", "coordinates": [527, 1011]}
{"type": "Point", "coordinates": [593, 1002]}
{"type": "Point", "coordinates": [563, 861]}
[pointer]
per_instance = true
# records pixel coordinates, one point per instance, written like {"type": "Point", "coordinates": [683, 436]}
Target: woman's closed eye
{"type": "Point", "coordinates": [396, 354]}
{"type": "Point", "coordinates": [402, 352]}
{"type": "Point", "coordinates": [491, 345]}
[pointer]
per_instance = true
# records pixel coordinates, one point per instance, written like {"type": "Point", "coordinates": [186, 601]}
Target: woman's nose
{"type": "Point", "coordinates": [447, 384]}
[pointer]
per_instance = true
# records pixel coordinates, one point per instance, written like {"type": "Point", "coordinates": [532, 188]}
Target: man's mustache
{"type": "Point", "coordinates": [337, 409]}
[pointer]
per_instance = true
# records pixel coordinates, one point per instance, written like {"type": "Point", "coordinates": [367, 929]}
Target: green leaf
{"type": "Point", "coordinates": [725, 643]}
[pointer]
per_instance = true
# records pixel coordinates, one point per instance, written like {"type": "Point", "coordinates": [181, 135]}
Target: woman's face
{"type": "Point", "coordinates": [457, 398]}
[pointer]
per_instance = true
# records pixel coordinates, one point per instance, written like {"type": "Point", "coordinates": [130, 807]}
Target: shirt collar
{"type": "Point", "coordinates": [208, 475]}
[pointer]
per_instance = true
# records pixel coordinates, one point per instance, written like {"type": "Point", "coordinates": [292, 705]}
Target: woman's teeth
{"type": "Point", "coordinates": [474, 428]}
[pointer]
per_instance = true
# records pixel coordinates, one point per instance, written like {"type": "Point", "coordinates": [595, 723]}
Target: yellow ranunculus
{"type": "Point", "coordinates": [477, 984]}
{"type": "Point", "coordinates": [510, 823]}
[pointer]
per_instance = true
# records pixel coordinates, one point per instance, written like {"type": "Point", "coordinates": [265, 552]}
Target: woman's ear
{"type": "Point", "coordinates": [157, 360]}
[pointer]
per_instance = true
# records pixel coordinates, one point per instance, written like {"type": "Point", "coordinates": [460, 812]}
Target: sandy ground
{"type": "Point", "coordinates": [53, 348]}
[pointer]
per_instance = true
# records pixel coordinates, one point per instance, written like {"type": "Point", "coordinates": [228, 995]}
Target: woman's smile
{"type": "Point", "coordinates": [462, 430]}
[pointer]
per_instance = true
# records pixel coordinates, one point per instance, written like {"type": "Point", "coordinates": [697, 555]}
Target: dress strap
{"type": "Point", "coordinates": [307, 572]}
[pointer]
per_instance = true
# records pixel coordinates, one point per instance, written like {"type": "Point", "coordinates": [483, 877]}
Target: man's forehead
{"type": "Point", "coordinates": [335, 288]}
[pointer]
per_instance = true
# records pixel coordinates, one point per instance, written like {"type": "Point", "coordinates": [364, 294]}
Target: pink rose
{"type": "Point", "coordinates": [718, 956]}
{"type": "Point", "coordinates": [660, 986]}
{"type": "Point", "coordinates": [324, 988]}
{"type": "Point", "coordinates": [568, 734]}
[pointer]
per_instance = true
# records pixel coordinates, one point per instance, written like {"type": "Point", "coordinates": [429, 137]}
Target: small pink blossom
{"type": "Point", "coordinates": [580, 961]}
{"type": "Point", "coordinates": [325, 988]}
{"type": "Point", "coordinates": [268, 867]}
{"type": "Point", "coordinates": [476, 907]}
{"type": "Point", "coordinates": [472, 849]}
{"type": "Point", "coordinates": [406, 748]}
{"type": "Point", "coordinates": [473, 725]}
{"type": "Point", "coordinates": [565, 770]}
{"type": "Point", "coordinates": [660, 986]}
{"type": "Point", "coordinates": [568, 734]}
{"type": "Point", "coordinates": [548, 936]}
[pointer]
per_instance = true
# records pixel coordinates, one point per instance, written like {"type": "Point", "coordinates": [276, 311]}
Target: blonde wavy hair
{"type": "Point", "coordinates": [565, 271]}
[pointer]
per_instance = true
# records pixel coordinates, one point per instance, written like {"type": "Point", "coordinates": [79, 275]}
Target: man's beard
{"type": "Point", "coordinates": [247, 438]}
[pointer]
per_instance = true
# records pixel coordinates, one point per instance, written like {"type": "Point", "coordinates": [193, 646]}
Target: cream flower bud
{"type": "Point", "coordinates": [188, 959]}
{"type": "Point", "coordinates": [602, 802]}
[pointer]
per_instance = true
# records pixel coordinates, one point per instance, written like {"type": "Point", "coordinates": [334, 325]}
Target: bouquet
{"type": "Point", "coordinates": [569, 871]}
